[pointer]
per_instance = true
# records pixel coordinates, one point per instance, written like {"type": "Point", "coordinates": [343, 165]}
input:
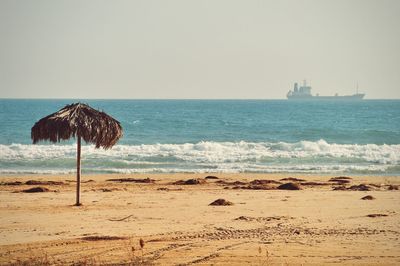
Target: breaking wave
{"type": "Point", "coordinates": [205, 156]}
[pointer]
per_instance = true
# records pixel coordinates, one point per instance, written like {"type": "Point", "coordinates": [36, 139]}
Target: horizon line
{"type": "Point", "coordinates": [175, 99]}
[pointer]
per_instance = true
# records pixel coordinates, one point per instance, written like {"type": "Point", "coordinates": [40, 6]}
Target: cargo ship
{"type": "Point", "coordinates": [304, 93]}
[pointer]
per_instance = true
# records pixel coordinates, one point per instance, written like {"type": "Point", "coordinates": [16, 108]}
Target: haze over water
{"type": "Point", "coordinates": [215, 136]}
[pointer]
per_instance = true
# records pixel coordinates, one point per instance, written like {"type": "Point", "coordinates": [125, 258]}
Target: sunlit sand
{"type": "Point", "coordinates": [324, 222]}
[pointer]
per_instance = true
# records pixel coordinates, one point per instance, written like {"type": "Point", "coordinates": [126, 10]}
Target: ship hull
{"type": "Point", "coordinates": [355, 97]}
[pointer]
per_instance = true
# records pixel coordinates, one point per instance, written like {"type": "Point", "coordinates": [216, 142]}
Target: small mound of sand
{"type": "Point", "coordinates": [375, 185]}
{"type": "Point", "coordinates": [314, 184]}
{"type": "Point", "coordinates": [377, 215]}
{"type": "Point", "coordinates": [361, 187]}
{"type": "Point", "coordinates": [368, 197]}
{"type": "Point", "coordinates": [393, 187]}
{"type": "Point", "coordinates": [264, 182]}
{"type": "Point", "coordinates": [235, 183]}
{"type": "Point", "coordinates": [211, 177]}
{"type": "Point", "coordinates": [244, 218]}
{"type": "Point", "coordinates": [292, 179]}
{"type": "Point", "coordinates": [35, 190]}
{"type": "Point", "coordinates": [108, 189]}
{"type": "Point", "coordinates": [132, 180]}
{"type": "Point", "coordinates": [169, 189]}
{"type": "Point", "coordinates": [340, 178]}
{"type": "Point", "coordinates": [341, 181]}
{"type": "Point", "coordinates": [12, 183]}
{"type": "Point", "coordinates": [190, 182]}
{"type": "Point", "coordinates": [101, 238]}
{"type": "Point", "coordinates": [255, 187]}
{"type": "Point", "coordinates": [262, 219]}
{"type": "Point", "coordinates": [290, 186]}
{"type": "Point", "coordinates": [221, 202]}
{"type": "Point", "coordinates": [339, 188]}
{"type": "Point", "coordinates": [38, 183]}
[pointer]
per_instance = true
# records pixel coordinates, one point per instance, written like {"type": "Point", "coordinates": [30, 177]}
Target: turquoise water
{"type": "Point", "coordinates": [215, 136]}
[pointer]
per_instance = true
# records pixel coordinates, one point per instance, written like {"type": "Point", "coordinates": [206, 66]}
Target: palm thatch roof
{"type": "Point", "coordinates": [75, 120]}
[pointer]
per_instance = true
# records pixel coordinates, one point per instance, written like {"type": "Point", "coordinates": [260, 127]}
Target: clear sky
{"type": "Point", "coordinates": [198, 49]}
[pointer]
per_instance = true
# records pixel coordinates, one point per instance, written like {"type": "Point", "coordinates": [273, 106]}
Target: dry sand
{"type": "Point", "coordinates": [265, 226]}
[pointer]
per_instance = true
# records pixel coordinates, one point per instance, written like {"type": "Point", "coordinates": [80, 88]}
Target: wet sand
{"type": "Point", "coordinates": [326, 222]}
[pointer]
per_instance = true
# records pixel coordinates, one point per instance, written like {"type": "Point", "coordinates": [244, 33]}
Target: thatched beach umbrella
{"type": "Point", "coordinates": [78, 121]}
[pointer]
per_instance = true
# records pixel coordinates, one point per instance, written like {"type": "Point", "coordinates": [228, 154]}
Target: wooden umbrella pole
{"type": "Point", "coordinates": [78, 171]}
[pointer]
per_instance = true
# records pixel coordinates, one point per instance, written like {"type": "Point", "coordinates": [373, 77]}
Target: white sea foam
{"type": "Point", "coordinates": [213, 152]}
{"type": "Point", "coordinates": [303, 156]}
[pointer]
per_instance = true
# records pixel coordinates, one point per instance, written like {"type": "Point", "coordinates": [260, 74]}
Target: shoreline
{"type": "Point", "coordinates": [257, 174]}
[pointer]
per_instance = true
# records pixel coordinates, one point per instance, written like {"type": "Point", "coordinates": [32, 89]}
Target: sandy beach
{"type": "Point", "coordinates": [325, 222]}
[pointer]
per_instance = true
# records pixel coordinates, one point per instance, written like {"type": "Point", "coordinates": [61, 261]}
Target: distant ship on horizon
{"type": "Point", "coordinates": [304, 93]}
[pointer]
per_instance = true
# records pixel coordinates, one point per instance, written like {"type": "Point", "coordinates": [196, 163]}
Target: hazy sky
{"type": "Point", "coordinates": [197, 49]}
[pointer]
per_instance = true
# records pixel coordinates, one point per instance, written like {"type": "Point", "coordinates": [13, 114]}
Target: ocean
{"type": "Point", "coordinates": [169, 136]}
